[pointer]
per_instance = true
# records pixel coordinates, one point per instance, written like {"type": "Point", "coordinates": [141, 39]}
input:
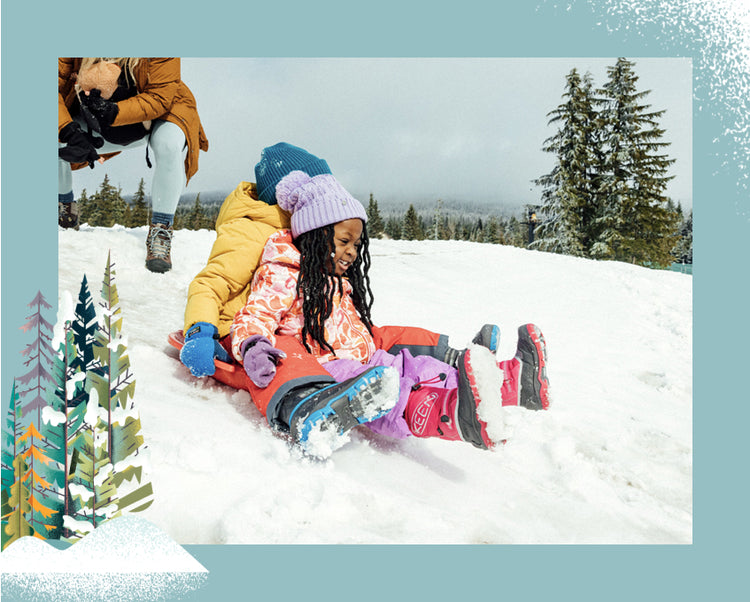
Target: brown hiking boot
{"type": "Point", "coordinates": [158, 247]}
{"type": "Point", "coordinates": [67, 215]}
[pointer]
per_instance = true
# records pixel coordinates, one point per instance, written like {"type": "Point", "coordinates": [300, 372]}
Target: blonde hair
{"type": "Point", "coordinates": [127, 64]}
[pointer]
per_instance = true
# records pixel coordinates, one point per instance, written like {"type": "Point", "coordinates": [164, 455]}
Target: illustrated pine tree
{"type": "Point", "coordinates": [39, 354]}
{"type": "Point", "coordinates": [32, 400]}
{"type": "Point", "coordinates": [40, 507]}
{"type": "Point", "coordinates": [12, 430]}
{"type": "Point", "coordinates": [114, 388]}
{"type": "Point", "coordinates": [83, 328]}
{"type": "Point", "coordinates": [92, 486]}
{"type": "Point", "coordinates": [570, 192]}
{"type": "Point", "coordinates": [15, 522]}
{"type": "Point", "coordinates": [62, 422]}
{"type": "Point", "coordinates": [636, 223]}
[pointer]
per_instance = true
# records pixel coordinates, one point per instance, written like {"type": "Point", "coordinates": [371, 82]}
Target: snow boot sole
{"type": "Point", "coordinates": [471, 428]}
{"type": "Point", "coordinates": [532, 353]}
{"type": "Point", "coordinates": [319, 421]}
{"type": "Point", "coordinates": [488, 336]}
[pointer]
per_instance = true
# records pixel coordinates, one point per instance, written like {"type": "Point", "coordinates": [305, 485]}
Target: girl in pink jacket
{"type": "Point", "coordinates": [312, 283]}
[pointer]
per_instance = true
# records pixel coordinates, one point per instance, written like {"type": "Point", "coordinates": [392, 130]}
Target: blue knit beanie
{"type": "Point", "coordinates": [277, 161]}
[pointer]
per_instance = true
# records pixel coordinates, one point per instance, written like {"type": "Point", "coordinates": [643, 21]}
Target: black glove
{"type": "Point", "coordinates": [80, 147]}
{"type": "Point", "coordinates": [97, 111]}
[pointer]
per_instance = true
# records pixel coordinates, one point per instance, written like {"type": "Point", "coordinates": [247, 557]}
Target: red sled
{"type": "Point", "coordinates": [227, 374]}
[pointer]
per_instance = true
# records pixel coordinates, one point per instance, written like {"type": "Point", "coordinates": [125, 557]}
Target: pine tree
{"type": "Point", "coordinates": [139, 215]}
{"type": "Point", "coordinates": [16, 525]}
{"type": "Point", "coordinates": [375, 226]}
{"type": "Point", "coordinates": [106, 206]}
{"type": "Point", "coordinates": [636, 223]}
{"type": "Point", "coordinates": [35, 458]}
{"type": "Point", "coordinates": [114, 388]}
{"type": "Point", "coordinates": [91, 482]}
{"type": "Point", "coordinates": [127, 216]}
{"type": "Point", "coordinates": [412, 226]}
{"type": "Point", "coordinates": [40, 354]}
{"type": "Point", "coordinates": [196, 218]}
{"type": "Point", "coordinates": [393, 228]}
{"type": "Point", "coordinates": [491, 234]}
{"type": "Point", "coordinates": [83, 328]}
{"type": "Point", "coordinates": [570, 195]}
{"type": "Point", "coordinates": [439, 230]}
{"type": "Point", "coordinates": [683, 250]}
{"type": "Point", "coordinates": [11, 431]}
{"type": "Point", "coordinates": [63, 419]}
{"type": "Point", "coordinates": [84, 207]}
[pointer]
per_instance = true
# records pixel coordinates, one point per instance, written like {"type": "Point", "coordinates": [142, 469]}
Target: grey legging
{"type": "Point", "coordinates": [168, 145]}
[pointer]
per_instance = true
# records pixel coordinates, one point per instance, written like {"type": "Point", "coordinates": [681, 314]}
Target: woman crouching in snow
{"type": "Point", "coordinates": [313, 284]}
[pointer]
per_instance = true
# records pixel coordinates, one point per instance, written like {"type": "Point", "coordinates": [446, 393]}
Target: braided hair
{"type": "Point", "coordinates": [318, 282]}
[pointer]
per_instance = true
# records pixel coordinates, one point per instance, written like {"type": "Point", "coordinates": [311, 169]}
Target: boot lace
{"type": "Point", "coordinates": [159, 241]}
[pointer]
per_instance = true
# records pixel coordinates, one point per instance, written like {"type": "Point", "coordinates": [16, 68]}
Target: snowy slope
{"type": "Point", "coordinates": [610, 462]}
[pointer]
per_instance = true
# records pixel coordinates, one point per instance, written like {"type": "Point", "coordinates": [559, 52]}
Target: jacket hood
{"type": "Point", "coordinates": [243, 202]}
{"type": "Point", "coordinates": [281, 250]}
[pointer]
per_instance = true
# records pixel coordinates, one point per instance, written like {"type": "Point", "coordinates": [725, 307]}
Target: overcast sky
{"type": "Point", "coordinates": [403, 129]}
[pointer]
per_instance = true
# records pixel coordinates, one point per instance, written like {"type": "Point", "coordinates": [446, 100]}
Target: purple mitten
{"type": "Point", "coordinates": [259, 358]}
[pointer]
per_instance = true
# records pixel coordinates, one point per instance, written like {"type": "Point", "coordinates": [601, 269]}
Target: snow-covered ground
{"type": "Point", "coordinates": [610, 462]}
{"type": "Point", "coordinates": [125, 559]}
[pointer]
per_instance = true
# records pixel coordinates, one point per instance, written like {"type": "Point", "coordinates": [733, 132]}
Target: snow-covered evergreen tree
{"type": "Point", "coordinates": [375, 225]}
{"type": "Point", "coordinates": [62, 421]}
{"type": "Point", "coordinates": [115, 389]}
{"type": "Point", "coordinates": [570, 192]}
{"type": "Point", "coordinates": [683, 250]}
{"type": "Point", "coordinates": [91, 475]}
{"type": "Point", "coordinates": [491, 232]}
{"type": "Point", "coordinates": [106, 207]}
{"type": "Point", "coordinates": [635, 224]}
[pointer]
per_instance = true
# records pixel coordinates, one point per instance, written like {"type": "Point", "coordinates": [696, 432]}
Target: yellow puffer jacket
{"type": "Point", "coordinates": [222, 287]}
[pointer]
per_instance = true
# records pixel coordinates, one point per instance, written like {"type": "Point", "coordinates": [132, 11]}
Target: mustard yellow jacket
{"type": "Point", "coordinates": [161, 95]}
{"type": "Point", "coordinates": [222, 287]}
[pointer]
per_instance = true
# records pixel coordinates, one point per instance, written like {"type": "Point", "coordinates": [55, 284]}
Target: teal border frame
{"type": "Point", "coordinates": [35, 33]}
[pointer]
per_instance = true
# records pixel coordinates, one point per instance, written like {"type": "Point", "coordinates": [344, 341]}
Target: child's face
{"type": "Point", "coordinates": [347, 237]}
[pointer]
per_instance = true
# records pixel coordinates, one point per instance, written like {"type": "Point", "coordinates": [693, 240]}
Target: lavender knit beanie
{"type": "Point", "coordinates": [277, 161]}
{"type": "Point", "coordinates": [316, 201]}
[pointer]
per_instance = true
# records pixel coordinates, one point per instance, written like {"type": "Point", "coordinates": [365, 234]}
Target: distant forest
{"type": "Point", "coordinates": [425, 220]}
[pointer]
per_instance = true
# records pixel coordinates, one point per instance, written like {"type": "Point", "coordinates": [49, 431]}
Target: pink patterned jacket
{"type": "Point", "coordinates": [273, 307]}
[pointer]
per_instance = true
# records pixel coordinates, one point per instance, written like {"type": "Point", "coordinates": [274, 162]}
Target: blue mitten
{"type": "Point", "coordinates": [260, 359]}
{"type": "Point", "coordinates": [201, 346]}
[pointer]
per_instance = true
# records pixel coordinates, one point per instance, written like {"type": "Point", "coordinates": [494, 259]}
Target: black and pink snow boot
{"type": "Point", "coordinates": [525, 380]}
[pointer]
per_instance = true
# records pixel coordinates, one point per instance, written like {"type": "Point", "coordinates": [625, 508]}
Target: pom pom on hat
{"type": "Point", "coordinates": [101, 76]}
{"type": "Point", "coordinates": [316, 201]}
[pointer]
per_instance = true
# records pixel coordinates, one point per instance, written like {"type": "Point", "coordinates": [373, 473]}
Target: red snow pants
{"type": "Point", "coordinates": [301, 368]}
